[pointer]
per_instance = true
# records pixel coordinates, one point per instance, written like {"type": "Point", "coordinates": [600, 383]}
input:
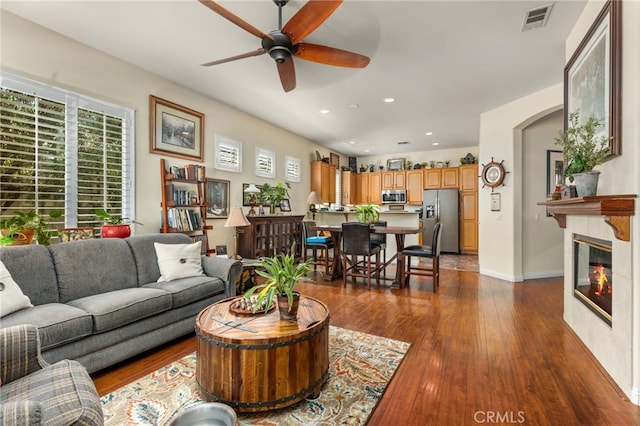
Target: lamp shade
{"type": "Point", "coordinates": [252, 189]}
{"type": "Point", "coordinates": [314, 198]}
{"type": "Point", "coordinates": [236, 218]}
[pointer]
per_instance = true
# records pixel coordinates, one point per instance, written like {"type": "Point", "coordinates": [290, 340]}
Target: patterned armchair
{"type": "Point", "coordinates": [33, 392]}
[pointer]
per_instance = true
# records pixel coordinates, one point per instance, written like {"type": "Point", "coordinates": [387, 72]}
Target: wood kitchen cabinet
{"type": "Point", "coordinates": [394, 180]}
{"type": "Point", "coordinates": [432, 178]}
{"type": "Point", "coordinates": [362, 181]}
{"type": "Point", "coordinates": [349, 188]}
{"type": "Point", "coordinates": [323, 180]}
{"type": "Point", "coordinates": [369, 188]}
{"type": "Point", "coordinates": [468, 178]}
{"type": "Point", "coordinates": [414, 186]}
{"type": "Point", "coordinates": [450, 177]}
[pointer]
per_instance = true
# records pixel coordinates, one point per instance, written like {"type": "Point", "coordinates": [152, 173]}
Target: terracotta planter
{"type": "Point", "coordinates": [287, 312]}
{"type": "Point", "coordinates": [115, 231]}
{"type": "Point", "coordinates": [23, 238]}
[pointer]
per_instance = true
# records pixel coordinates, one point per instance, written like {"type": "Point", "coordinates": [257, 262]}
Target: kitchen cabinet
{"type": "Point", "coordinates": [414, 187]}
{"type": "Point", "coordinates": [323, 180]}
{"type": "Point", "coordinates": [393, 180]}
{"type": "Point", "coordinates": [369, 188]}
{"type": "Point", "coordinates": [349, 188]}
{"type": "Point", "coordinates": [450, 177]}
{"type": "Point", "coordinates": [432, 179]}
{"type": "Point", "coordinates": [468, 179]}
{"type": "Point", "coordinates": [362, 181]}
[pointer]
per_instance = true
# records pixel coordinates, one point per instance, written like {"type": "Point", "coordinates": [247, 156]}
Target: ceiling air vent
{"type": "Point", "coordinates": [536, 18]}
{"type": "Point", "coordinates": [404, 143]}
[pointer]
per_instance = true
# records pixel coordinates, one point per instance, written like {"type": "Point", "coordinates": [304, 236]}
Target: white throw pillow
{"type": "Point", "coordinates": [11, 297]}
{"type": "Point", "coordinates": [179, 260]}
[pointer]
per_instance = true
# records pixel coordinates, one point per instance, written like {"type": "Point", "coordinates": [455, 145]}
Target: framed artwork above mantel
{"type": "Point", "coordinates": [592, 77]}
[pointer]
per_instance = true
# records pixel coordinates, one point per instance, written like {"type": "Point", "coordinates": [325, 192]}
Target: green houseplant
{"type": "Point", "coordinates": [367, 213]}
{"type": "Point", "coordinates": [114, 226]}
{"type": "Point", "coordinates": [582, 151]}
{"type": "Point", "coordinates": [282, 275]}
{"type": "Point", "coordinates": [274, 194]}
{"type": "Point", "coordinates": [21, 228]}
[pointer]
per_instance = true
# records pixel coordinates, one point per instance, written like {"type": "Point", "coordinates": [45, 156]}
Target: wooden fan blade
{"type": "Point", "coordinates": [234, 19]}
{"type": "Point", "coordinates": [235, 58]}
{"type": "Point", "coordinates": [308, 18]}
{"type": "Point", "coordinates": [330, 56]}
{"type": "Point", "coordinates": [287, 74]}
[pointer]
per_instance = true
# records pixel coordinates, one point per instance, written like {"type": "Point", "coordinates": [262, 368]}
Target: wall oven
{"type": "Point", "coordinates": [394, 196]}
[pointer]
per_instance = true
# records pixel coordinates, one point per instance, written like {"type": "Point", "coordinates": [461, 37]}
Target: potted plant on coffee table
{"type": "Point", "coordinates": [22, 228]}
{"type": "Point", "coordinates": [282, 274]}
{"type": "Point", "coordinates": [367, 213]}
{"type": "Point", "coordinates": [114, 226]}
{"type": "Point", "coordinates": [583, 150]}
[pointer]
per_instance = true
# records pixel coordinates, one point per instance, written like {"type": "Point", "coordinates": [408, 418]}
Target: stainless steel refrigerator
{"type": "Point", "coordinates": [441, 205]}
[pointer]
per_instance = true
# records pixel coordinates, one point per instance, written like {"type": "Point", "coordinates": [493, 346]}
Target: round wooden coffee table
{"type": "Point", "coordinates": [258, 362]}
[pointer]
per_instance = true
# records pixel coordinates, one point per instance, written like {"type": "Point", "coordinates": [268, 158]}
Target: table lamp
{"type": "Point", "coordinates": [313, 199]}
{"type": "Point", "coordinates": [236, 219]}
{"type": "Point", "coordinates": [252, 190]}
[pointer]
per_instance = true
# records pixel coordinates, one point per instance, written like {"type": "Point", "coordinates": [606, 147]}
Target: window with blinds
{"type": "Point", "coordinates": [292, 169]}
{"type": "Point", "coordinates": [265, 163]}
{"type": "Point", "coordinates": [62, 151]}
{"type": "Point", "coordinates": [228, 154]}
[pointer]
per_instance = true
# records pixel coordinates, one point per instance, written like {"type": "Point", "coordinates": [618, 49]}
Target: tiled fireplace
{"type": "Point", "coordinates": [596, 264]}
{"type": "Point", "coordinates": [598, 268]}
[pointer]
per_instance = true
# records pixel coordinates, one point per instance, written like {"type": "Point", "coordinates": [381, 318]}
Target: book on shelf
{"type": "Point", "coordinates": [191, 172]}
{"type": "Point", "coordinates": [183, 219]}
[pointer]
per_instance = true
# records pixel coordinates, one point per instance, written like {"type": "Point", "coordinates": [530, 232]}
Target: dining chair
{"type": "Point", "coordinates": [315, 242]}
{"type": "Point", "coordinates": [356, 242]}
{"type": "Point", "coordinates": [381, 240]}
{"type": "Point", "coordinates": [431, 252]}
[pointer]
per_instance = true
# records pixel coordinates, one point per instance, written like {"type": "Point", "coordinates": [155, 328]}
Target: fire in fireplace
{"type": "Point", "coordinates": [593, 284]}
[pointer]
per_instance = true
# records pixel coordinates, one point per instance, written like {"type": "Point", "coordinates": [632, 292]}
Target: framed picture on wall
{"type": "Point", "coordinates": [175, 130]}
{"type": "Point", "coordinates": [592, 77]}
{"type": "Point", "coordinates": [217, 198]}
{"type": "Point", "coordinates": [555, 170]}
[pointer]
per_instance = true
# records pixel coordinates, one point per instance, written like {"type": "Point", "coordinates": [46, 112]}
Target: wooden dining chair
{"type": "Point", "coordinates": [381, 240]}
{"type": "Point", "coordinates": [431, 252]}
{"type": "Point", "coordinates": [314, 242]}
{"type": "Point", "coordinates": [356, 242]}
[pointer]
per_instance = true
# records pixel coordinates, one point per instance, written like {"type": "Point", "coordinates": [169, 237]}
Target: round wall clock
{"type": "Point", "coordinates": [493, 174]}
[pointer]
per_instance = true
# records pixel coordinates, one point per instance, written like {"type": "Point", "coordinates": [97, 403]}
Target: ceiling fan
{"type": "Point", "coordinates": [286, 41]}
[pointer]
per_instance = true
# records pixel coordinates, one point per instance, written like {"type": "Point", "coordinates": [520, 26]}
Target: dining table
{"type": "Point", "coordinates": [399, 231]}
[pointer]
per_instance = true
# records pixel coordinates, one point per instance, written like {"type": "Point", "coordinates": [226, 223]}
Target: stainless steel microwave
{"type": "Point", "coordinates": [394, 196]}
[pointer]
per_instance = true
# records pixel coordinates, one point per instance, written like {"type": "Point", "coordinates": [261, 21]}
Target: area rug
{"type": "Point", "coordinates": [459, 262]}
{"type": "Point", "coordinates": [360, 368]}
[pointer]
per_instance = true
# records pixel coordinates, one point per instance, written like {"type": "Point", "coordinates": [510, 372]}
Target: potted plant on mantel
{"type": "Point", "coordinates": [22, 228]}
{"type": "Point", "coordinates": [367, 213]}
{"type": "Point", "coordinates": [282, 275]}
{"type": "Point", "coordinates": [114, 226]}
{"type": "Point", "coordinates": [274, 194]}
{"type": "Point", "coordinates": [582, 151]}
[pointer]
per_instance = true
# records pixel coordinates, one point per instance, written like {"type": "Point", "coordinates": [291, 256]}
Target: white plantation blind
{"type": "Point", "coordinates": [228, 154]}
{"type": "Point", "coordinates": [265, 163]}
{"type": "Point", "coordinates": [292, 169]}
{"type": "Point", "coordinates": [63, 151]}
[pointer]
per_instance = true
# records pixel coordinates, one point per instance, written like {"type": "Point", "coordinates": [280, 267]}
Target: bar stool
{"type": "Point", "coordinates": [312, 241]}
{"type": "Point", "coordinates": [431, 252]}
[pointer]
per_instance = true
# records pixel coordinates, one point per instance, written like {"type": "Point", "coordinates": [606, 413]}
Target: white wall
{"type": "Point", "coordinates": [46, 56]}
{"type": "Point", "coordinates": [542, 238]}
{"type": "Point", "coordinates": [500, 233]}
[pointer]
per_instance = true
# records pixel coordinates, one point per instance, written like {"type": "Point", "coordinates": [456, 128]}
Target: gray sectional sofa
{"type": "Point", "coordinates": [99, 301]}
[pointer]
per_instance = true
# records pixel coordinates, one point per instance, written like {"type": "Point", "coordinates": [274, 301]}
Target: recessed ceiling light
{"type": "Point", "coordinates": [324, 111]}
{"type": "Point", "coordinates": [389, 100]}
{"type": "Point", "coordinates": [352, 142]}
{"type": "Point", "coordinates": [366, 150]}
{"type": "Point", "coordinates": [435, 143]}
{"type": "Point", "coordinates": [354, 106]}
{"type": "Point", "coordinates": [429, 133]}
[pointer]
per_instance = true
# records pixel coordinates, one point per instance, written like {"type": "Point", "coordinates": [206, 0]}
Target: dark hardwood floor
{"type": "Point", "coordinates": [483, 351]}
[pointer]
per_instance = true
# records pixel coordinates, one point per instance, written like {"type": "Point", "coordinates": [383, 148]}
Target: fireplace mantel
{"type": "Point", "coordinates": [616, 209]}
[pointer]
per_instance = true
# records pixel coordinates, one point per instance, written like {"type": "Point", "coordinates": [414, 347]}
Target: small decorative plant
{"type": "Point", "coordinates": [282, 275]}
{"type": "Point", "coordinates": [110, 219]}
{"type": "Point", "coordinates": [582, 149]}
{"type": "Point", "coordinates": [19, 228]}
{"type": "Point", "coordinates": [367, 213]}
